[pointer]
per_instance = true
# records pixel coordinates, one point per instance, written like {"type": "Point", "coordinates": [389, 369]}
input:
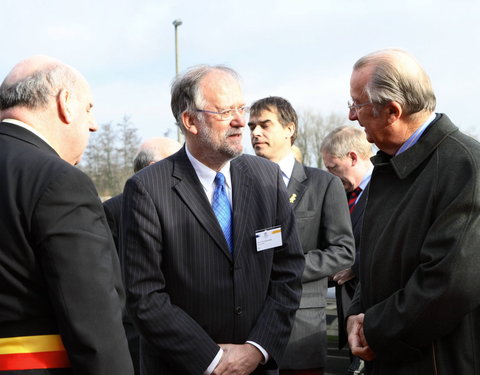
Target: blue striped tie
{"type": "Point", "coordinates": [223, 210]}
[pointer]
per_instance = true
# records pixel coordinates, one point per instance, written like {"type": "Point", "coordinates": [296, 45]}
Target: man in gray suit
{"type": "Point", "coordinates": [323, 224]}
{"type": "Point", "coordinates": [212, 260]}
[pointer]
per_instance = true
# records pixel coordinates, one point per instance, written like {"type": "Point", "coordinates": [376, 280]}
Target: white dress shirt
{"type": "Point", "coordinates": [286, 166]}
{"type": "Point", "coordinates": [27, 127]}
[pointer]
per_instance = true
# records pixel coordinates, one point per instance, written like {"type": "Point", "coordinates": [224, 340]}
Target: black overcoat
{"type": "Point", "coordinates": [420, 263]}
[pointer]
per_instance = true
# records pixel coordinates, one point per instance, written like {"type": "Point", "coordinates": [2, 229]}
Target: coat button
{"type": "Point", "coordinates": [238, 310]}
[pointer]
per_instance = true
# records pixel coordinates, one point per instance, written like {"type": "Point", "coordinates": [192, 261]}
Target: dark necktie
{"type": "Point", "coordinates": [353, 198]}
{"type": "Point", "coordinates": [223, 210]}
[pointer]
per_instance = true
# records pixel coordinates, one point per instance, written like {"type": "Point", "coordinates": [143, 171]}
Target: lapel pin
{"type": "Point", "coordinates": [293, 197]}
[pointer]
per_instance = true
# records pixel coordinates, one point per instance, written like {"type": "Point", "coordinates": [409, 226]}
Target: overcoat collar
{"type": "Point", "coordinates": [408, 161]}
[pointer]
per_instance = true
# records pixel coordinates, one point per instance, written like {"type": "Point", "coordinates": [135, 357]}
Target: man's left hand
{"type": "Point", "coordinates": [341, 277]}
{"type": "Point", "coordinates": [356, 338]}
{"type": "Point", "coordinates": [238, 359]}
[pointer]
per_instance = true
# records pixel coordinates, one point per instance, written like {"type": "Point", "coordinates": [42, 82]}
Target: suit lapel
{"type": "Point", "coordinates": [192, 193]}
{"type": "Point", "coordinates": [241, 186]}
{"type": "Point", "coordinates": [297, 184]}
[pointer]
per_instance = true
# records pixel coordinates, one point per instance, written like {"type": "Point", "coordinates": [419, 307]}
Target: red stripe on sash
{"type": "Point", "coordinates": [30, 361]}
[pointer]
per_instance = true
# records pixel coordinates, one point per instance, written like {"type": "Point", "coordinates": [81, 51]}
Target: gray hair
{"type": "Point", "coordinates": [143, 159]}
{"type": "Point", "coordinates": [344, 139]}
{"type": "Point", "coordinates": [186, 93]}
{"type": "Point", "coordinates": [35, 91]}
{"type": "Point", "coordinates": [398, 77]}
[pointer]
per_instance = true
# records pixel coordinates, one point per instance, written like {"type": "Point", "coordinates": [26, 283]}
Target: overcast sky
{"type": "Point", "coordinates": [301, 50]}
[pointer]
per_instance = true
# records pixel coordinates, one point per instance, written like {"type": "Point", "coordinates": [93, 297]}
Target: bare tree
{"type": "Point", "coordinates": [128, 142]}
{"type": "Point", "coordinates": [109, 155]}
{"type": "Point", "coordinates": [312, 129]}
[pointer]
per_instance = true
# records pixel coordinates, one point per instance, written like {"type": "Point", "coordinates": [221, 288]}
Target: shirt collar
{"type": "Point", "coordinates": [207, 175]}
{"type": "Point", "coordinates": [366, 179]}
{"type": "Point", "coordinates": [416, 135]}
{"type": "Point", "coordinates": [286, 165]}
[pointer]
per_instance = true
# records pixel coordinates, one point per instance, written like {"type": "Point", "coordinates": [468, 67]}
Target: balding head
{"type": "Point", "coordinates": [36, 81]}
{"type": "Point", "coordinates": [397, 77]}
{"type": "Point", "coordinates": [153, 150]}
{"type": "Point", "coordinates": [54, 99]}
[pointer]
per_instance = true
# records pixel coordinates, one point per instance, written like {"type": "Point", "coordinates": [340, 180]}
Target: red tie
{"type": "Point", "coordinates": [353, 197]}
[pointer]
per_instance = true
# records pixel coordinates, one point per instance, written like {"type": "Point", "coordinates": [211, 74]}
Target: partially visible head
{"type": "Point", "coordinates": [387, 86]}
{"type": "Point", "coordinates": [297, 153]}
{"type": "Point", "coordinates": [273, 127]}
{"type": "Point", "coordinates": [153, 150]}
{"type": "Point", "coordinates": [346, 153]}
{"type": "Point", "coordinates": [55, 99]}
{"type": "Point", "coordinates": [197, 97]}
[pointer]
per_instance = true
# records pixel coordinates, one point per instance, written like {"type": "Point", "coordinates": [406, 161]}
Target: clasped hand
{"type": "Point", "coordinates": [238, 359]}
{"type": "Point", "coordinates": [356, 338]}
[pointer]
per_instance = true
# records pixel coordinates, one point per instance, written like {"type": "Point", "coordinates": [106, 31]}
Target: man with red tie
{"type": "Point", "coordinates": [346, 153]}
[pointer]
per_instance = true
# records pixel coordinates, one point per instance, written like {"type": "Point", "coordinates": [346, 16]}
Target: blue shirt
{"type": "Point", "coordinates": [416, 135]}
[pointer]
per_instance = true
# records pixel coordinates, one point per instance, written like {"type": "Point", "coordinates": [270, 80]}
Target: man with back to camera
{"type": "Point", "coordinates": [212, 260]}
{"type": "Point", "coordinates": [416, 309]}
{"type": "Point", "coordinates": [323, 224]}
{"type": "Point", "coordinates": [60, 308]}
{"type": "Point", "coordinates": [150, 151]}
{"type": "Point", "coordinates": [346, 153]}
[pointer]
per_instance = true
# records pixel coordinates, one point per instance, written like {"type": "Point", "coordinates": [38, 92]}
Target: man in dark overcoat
{"type": "Point", "coordinates": [417, 308]}
{"type": "Point", "coordinates": [60, 285]}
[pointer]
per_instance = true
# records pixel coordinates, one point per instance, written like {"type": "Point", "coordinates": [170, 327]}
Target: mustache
{"type": "Point", "coordinates": [233, 132]}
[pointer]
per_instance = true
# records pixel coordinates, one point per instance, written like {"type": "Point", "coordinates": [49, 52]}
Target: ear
{"type": "Point", "coordinates": [64, 100]}
{"type": "Point", "coordinates": [394, 112]}
{"type": "Point", "coordinates": [291, 127]}
{"type": "Point", "coordinates": [189, 122]}
{"type": "Point", "coordinates": [353, 157]}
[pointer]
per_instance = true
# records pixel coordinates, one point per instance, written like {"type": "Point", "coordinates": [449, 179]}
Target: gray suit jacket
{"type": "Point", "coordinates": [324, 227]}
{"type": "Point", "coordinates": [185, 291]}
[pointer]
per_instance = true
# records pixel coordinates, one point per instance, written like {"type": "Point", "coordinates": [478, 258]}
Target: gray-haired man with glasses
{"type": "Point", "coordinates": [416, 309]}
{"type": "Point", "coordinates": [212, 257]}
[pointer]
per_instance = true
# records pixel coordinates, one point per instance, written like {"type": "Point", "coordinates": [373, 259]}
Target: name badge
{"type": "Point", "coordinates": [268, 238]}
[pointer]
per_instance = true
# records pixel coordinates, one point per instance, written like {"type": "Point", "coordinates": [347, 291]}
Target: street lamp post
{"type": "Point", "coordinates": [177, 23]}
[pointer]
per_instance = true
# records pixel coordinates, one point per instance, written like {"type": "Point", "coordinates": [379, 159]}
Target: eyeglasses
{"type": "Point", "coordinates": [228, 114]}
{"type": "Point", "coordinates": [352, 106]}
